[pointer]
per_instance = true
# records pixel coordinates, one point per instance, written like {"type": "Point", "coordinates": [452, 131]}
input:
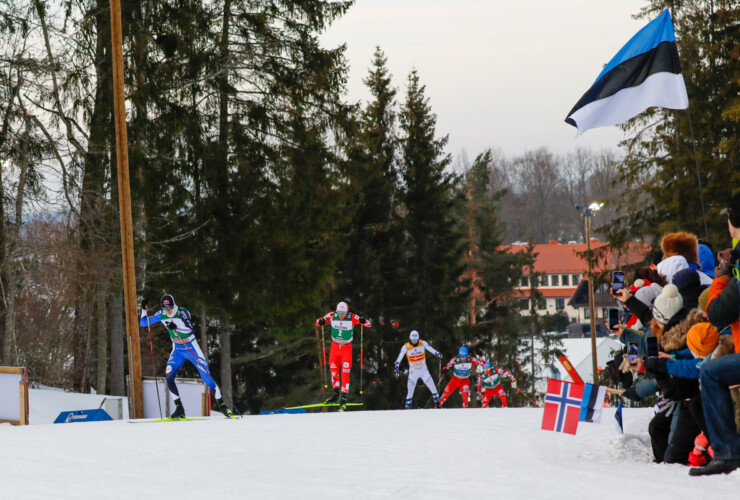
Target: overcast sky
{"type": "Point", "coordinates": [498, 73]}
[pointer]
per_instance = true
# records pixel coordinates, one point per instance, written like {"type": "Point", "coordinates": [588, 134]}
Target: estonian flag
{"type": "Point", "coordinates": [645, 73]}
{"type": "Point", "coordinates": [618, 420]}
{"type": "Point", "coordinates": [592, 403]}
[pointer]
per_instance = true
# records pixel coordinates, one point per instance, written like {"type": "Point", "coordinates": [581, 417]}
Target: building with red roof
{"type": "Point", "coordinates": [562, 271]}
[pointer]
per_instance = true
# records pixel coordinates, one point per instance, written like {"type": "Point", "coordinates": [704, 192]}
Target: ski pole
{"type": "Point", "coordinates": [362, 329]}
{"type": "Point", "coordinates": [154, 367]}
{"type": "Point", "coordinates": [323, 347]}
{"type": "Point", "coordinates": [527, 396]}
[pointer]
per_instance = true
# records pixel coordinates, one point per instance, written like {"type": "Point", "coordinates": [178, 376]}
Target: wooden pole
{"type": "Point", "coordinates": [591, 296]}
{"type": "Point", "coordinates": [124, 204]}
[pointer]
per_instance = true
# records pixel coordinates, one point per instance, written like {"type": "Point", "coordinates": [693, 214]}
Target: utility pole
{"type": "Point", "coordinates": [136, 399]}
{"type": "Point", "coordinates": [587, 214]}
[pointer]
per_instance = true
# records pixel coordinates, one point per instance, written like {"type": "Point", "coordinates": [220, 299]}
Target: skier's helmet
{"type": "Point", "coordinates": [463, 352]}
{"type": "Point", "coordinates": [167, 302]}
{"type": "Point", "coordinates": [488, 366]}
{"type": "Point", "coordinates": [342, 308]}
{"type": "Point", "coordinates": [414, 336]}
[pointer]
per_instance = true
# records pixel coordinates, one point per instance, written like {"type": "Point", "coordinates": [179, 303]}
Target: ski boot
{"type": "Point", "coordinates": [223, 408]}
{"type": "Point", "coordinates": [343, 402]}
{"type": "Point", "coordinates": [408, 404]}
{"type": "Point", "coordinates": [435, 398]}
{"type": "Point", "coordinates": [179, 410]}
{"type": "Point", "coordinates": [334, 398]}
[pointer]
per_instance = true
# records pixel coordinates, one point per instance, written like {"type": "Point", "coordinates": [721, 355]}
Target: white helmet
{"type": "Point", "coordinates": [342, 308]}
{"type": "Point", "coordinates": [414, 336]}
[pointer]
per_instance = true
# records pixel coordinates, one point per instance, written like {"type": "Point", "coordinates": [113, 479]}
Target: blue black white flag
{"type": "Point", "coordinates": [618, 420]}
{"type": "Point", "coordinates": [646, 72]}
{"type": "Point", "coordinates": [592, 403]}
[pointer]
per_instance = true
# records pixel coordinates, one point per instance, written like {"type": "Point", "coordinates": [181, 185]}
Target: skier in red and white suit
{"type": "Point", "coordinates": [342, 324]}
{"type": "Point", "coordinates": [462, 364]}
{"type": "Point", "coordinates": [490, 382]}
{"type": "Point", "coordinates": [415, 350]}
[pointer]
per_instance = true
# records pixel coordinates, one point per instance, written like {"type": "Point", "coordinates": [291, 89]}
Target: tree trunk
{"type": "Point", "coordinates": [117, 334]}
{"type": "Point", "coordinates": [102, 346]}
{"type": "Point", "coordinates": [226, 356]}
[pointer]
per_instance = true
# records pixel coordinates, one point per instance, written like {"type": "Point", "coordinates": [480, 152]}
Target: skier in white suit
{"type": "Point", "coordinates": [415, 350]}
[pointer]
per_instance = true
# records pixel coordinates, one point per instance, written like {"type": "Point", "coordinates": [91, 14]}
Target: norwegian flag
{"type": "Point", "coordinates": [562, 406]}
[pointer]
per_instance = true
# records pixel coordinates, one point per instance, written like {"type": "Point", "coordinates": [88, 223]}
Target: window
{"type": "Point", "coordinates": [604, 312]}
{"type": "Point", "coordinates": [586, 313]}
{"type": "Point", "coordinates": [541, 304]}
{"type": "Point", "coordinates": [576, 279]}
{"type": "Point", "coordinates": [525, 281]}
{"type": "Point", "coordinates": [555, 280]}
{"type": "Point", "coordinates": [523, 304]}
{"type": "Point", "coordinates": [543, 280]}
{"type": "Point", "coordinates": [559, 304]}
{"type": "Point", "coordinates": [565, 280]}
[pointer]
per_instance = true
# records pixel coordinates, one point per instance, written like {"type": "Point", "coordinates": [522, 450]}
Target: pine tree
{"type": "Point", "coordinates": [432, 250]}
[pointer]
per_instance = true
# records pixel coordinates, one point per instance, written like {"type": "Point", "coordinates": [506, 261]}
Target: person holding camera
{"type": "Point", "coordinates": [719, 376]}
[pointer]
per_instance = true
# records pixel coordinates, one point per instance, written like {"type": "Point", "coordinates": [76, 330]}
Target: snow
{"type": "Point", "coordinates": [411, 454]}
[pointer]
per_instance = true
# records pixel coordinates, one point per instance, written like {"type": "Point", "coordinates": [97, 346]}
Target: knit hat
{"type": "Point", "coordinates": [647, 294]}
{"type": "Point", "coordinates": [704, 300]}
{"type": "Point", "coordinates": [667, 304]}
{"type": "Point", "coordinates": [702, 338]}
{"type": "Point", "coordinates": [671, 265]}
{"type": "Point", "coordinates": [639, 283]}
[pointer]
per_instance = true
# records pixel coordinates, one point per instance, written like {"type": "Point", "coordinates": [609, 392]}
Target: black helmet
{"type": "Point", "coordinates": [167, 302]}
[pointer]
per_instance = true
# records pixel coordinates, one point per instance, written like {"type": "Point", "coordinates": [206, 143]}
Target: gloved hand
{"type": "Point", "coordinates": [513, 385]}
{"type": "Point", "coordinates": [321, 321]}
{"type": "Point", "coordinates": [656, 366]}
{"type": "Point", "coordinates": [438, 354]}
{"type": "Point", "coordinates": [396, 369]}
{"type": "Point", "coordinates": [362, 319]}
{"type": "Point", "coordinates": [444, 369]}
{"type": "Point", "coordinates": [171, 325]}
{"type": "Point", "coordinates": [144, 304]}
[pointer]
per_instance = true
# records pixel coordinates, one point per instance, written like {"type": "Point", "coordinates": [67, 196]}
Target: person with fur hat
{"type": "Point", "coordinates": [720, 374]}
{"type": "Point", "coordinates": [680, 251]}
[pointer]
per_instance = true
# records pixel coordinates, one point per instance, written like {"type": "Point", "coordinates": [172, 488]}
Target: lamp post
{"type": "Point", "coordinates": [587, 212]}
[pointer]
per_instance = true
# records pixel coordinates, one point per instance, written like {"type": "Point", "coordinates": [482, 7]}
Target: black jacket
{"type": "Point", "coordinates": [725, 309]}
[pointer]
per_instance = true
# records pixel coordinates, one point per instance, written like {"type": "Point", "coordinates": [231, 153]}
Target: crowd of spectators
{"type": "Point", "coordinates": [684, 331]}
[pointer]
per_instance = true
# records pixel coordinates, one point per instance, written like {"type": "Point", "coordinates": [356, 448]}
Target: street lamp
{"type": "Point", "coordinates": [588, 212]}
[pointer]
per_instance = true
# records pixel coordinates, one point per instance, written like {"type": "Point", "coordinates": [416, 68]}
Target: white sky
{"type": "Point", "coordinates": [498, 73]}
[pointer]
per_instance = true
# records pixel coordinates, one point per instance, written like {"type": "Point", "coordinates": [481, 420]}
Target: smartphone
{"type": "Point", "coordinates": [652, 346]}
{"type": "Point", "coordinates": [617, 281]}
{"type": "Point", "coordinates": [613, 316]}
{"type": "Point", "coordinates": [632, 351]}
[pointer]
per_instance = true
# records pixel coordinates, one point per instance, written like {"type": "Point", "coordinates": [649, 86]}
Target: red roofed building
{"type": "Point", "coordinates": [562, 271]}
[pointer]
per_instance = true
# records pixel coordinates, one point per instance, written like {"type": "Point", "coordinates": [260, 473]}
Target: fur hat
{"type": "Point", "coordinates": [682, 243]}
{"type": "Point", "coordinates": [702, 339]}
{"type": "Point", "coordinates": [704, 299]}
{"type": "Point", "coordinates": [667, 304]}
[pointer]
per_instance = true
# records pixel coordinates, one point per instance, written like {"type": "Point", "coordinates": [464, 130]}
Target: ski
{"type": "Point", "coordinates": [321, 405]}
{"type": "Point", "coordinates": [185, 419]}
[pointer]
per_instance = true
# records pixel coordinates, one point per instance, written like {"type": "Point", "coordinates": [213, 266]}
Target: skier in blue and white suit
{"type": "Point", "coordinates": [179, 325]}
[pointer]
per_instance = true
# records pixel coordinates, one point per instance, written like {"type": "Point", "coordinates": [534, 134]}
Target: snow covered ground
{"type": "Point", "coordinates": [426, 454]}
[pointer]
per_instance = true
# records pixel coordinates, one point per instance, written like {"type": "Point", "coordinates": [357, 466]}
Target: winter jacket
{"type": "Point", "coordinates": [723, 307]}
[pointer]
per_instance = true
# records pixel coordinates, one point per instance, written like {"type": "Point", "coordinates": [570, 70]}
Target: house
{"type": "Point", "coordinates": [562, 271]}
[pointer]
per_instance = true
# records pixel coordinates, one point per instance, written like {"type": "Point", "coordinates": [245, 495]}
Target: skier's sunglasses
{"type": "Point", "coordinates": [167, 308]}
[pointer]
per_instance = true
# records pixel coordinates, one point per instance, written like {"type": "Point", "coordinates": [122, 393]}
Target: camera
{"type": "Point", "coordinates": [617, 281]}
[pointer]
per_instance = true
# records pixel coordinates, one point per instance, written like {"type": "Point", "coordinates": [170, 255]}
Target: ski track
{"type": "Point", "coordinates": [416, 454]}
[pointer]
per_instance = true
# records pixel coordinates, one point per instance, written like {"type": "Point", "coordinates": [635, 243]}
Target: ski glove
{"type": "Point", "coordinates": [362, 319]}
{"type": "Point", "coordinates": [322, 321]}
{"type": "Point", "coordinates": [144, 303]}
{"type": "Point", "coordinates": [438, 354]}
{"type": "Point", "coordinates": [171, 325]}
